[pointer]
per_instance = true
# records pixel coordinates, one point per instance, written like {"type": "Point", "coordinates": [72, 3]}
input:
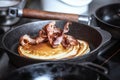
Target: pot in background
{"type": "Point", "coordinates": [4, 5]}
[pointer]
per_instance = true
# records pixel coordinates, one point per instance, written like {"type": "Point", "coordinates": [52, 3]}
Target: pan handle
{"type": "Point", "coordinates": [96, 67]}
{"type": "Point", "coordinates": [39, 14]}
{"type": "Point", "coordinates": [46, 15]}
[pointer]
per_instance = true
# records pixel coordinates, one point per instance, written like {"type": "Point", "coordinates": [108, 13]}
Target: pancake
{"type": "Point", "coordinates": [46, 52]}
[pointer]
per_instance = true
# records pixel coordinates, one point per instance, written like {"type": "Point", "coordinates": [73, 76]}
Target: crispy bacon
{"type": "Point", "coordinates": [66, 27]}
{"type": "Point", "coordinates": [41, 37]}
{"type": "Point", "coordinates": [26, 39]}
{"type": "Point", "coordinates": [65, 43]}
{"type": "Point", "coordinates": [59, 39]}
{"type": "Point", "coordinates": [72, 40]}
{"type": "Point", "coordinates": [42, 34]}
{"type": "Point", "coordinates": [53, 34]}
{"type": "Point", "coordinates": [69, 41]}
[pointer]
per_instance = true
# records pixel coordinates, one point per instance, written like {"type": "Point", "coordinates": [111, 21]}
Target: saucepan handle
{"type": "Point", "coordinates": [96, 67]}
{"type": "Point", "coordinates": [46, 15]}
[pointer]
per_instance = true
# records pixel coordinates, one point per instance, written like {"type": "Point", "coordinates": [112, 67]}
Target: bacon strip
{"type": "Point", "coordinates": [59, 38]}
{"type": "Point", "coordinates": [66, 27]}
{"type": "Point", "coordinates": [26, 39]}
{"type": "Point", "coordinates": [53, 34]}
{"type": "Point", "coordinates": [41, 37]}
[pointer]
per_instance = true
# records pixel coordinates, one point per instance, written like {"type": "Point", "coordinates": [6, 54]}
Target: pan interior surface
{"type": "Point", "coordinates": [55, 71]}
{"type": "Point", "coordinates": [79, 31]}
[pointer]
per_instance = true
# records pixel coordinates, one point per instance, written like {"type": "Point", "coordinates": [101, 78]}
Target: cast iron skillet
{"type": "Point", "coordinates": [108, 18]}
{"type": "Point", "coordinates": [58, 71]}
{"type": "Point", "coordinates": [96, 38]}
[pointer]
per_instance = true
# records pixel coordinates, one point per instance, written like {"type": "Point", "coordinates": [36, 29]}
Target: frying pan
{"type": "Point", "coordinates": [108, 18]}
{"type": "Point", "coordinates": [59, 71]}
{"type": "Point", "coordinates": [95, 37]}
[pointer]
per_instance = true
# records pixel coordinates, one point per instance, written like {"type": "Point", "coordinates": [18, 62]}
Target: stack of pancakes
{"type": "Point", "coordinates": [45, 51]}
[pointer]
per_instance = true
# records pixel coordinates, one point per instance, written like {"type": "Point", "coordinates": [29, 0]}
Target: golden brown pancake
{"type": "Point", "coordinates": [46, 52]}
